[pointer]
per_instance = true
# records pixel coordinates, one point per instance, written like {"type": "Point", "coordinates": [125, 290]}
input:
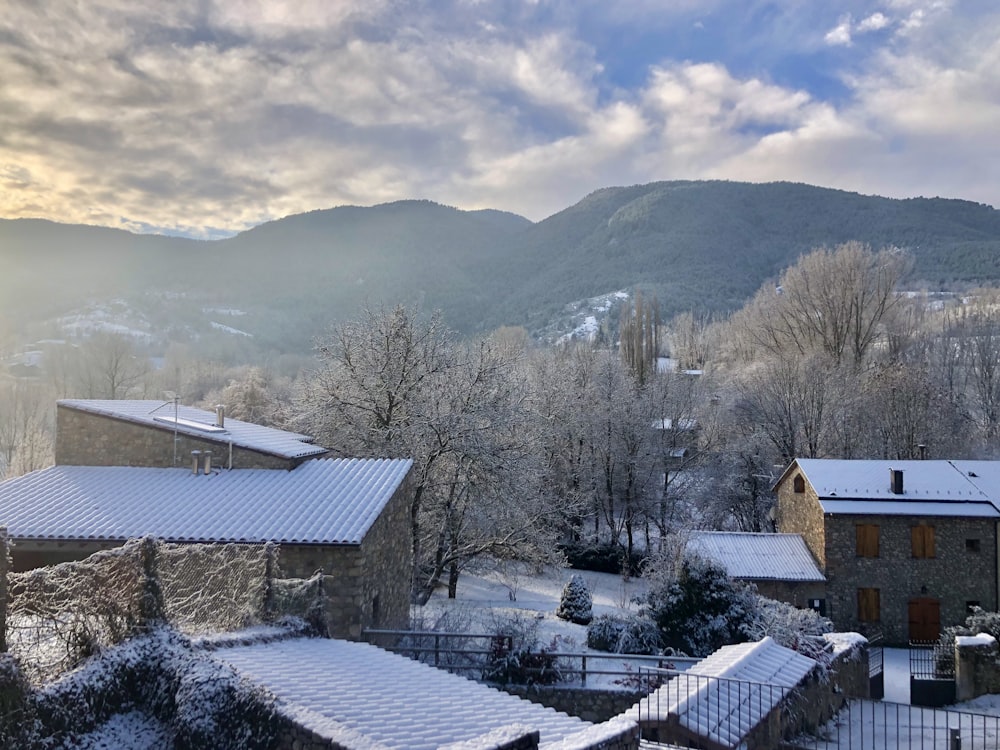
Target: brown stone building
{"type": "Point", "coordinates": [907, 547]}
{"type": "Point", "coordinates": [93, 432]}
{"type": "Point", "coordinates": [348, 517]}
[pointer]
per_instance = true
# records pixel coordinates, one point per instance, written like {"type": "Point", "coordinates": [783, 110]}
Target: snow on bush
{"type": "Point", "coordinates": [696, 606]}
{"type": "Point", "coordinates": [624, 634]}
{"type": "Point", "coordinates": [576, 602]}
{"type": "Point", "coordinates": [203, 703]}
{"type": "Point", "coordinates": [801, 630]}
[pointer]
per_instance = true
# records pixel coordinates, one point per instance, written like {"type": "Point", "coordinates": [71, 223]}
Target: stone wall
{"type": "Point", "coordinates": [366, 585]}
{"type": "Point", "coordinates": [801, 513]}
{"type": "Point", "coordinates": [954, 576]}
{"type": "Point", "coordinates": [796, 593]}
{"type": "Point", "coordinates": [977, 666]}
{"type": "Point", "coordinates": [590, 705]}
{"type": "Point", "coordinates": [87, 439]}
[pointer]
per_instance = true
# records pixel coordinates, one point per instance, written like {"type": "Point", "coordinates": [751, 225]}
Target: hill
{"type": "Point", "coordinates": [696, 245]}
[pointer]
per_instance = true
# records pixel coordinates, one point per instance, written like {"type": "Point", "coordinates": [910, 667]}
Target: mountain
{"type": "Point", "coordinates": [694, 244]}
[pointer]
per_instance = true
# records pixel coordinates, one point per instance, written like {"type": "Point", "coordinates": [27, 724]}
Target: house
{"type": "Point", "coordinates": [348, 517]}
{"type": "Point", "coordinates": [95, 432]}
{"type": "Point", "coordinates": [780, 566]}
{"type": "Point", "coordinates": [906, 546]}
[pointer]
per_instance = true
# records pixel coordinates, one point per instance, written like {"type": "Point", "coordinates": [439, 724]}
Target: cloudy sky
{"type": "Point", "coordinates": [203, 117]}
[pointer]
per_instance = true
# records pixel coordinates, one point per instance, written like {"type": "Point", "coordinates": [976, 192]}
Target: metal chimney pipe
{"type": "Point", "coordinates": [207, 455]}
{"type": "Point", "coordinates": [195, 461]}
{"type": "Point", "coordinates": [220, 415]}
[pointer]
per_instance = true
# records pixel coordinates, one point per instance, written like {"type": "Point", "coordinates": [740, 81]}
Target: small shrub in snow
{"type": "Point", "coordinates": [605, 557]}
{"type": "Point", "coordinates": [516, 656]}
{"type": "Point", "coordinates": [576, 602]}
{"type": "Point", "coordinates": [697, 607]}
{"type": "Point", "coordinates": [801, 630]}
{"type": "Point", "coordinates": [624, 634]}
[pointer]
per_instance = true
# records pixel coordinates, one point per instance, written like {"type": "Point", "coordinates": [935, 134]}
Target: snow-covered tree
{"type": "Point", "coordinates": [576, 602]}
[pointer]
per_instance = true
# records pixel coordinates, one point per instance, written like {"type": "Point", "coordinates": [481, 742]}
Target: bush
{"type": "Point", "coordinates": [697, 608]}
{"type": "Point", "coordinates": [624, 634]}
{"type": "Point", "coordinates": [602, 558]}
{"type": "Point", "coordinates": [801, 630]}
{"type": "Point", "coordinates": [515, 656]}
{"type": "Point", "coordinates": [576, 603]}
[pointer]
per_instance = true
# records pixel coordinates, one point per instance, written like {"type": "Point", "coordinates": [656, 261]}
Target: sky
{"type": "Point", "coordinates": [205, 117]}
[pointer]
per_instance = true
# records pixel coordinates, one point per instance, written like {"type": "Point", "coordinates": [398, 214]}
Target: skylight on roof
{"type": "Point", "coordinates": [181, 422]}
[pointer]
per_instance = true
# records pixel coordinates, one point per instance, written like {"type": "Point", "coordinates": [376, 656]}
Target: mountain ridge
{"type": "Point", "coordinates": [701, 245]}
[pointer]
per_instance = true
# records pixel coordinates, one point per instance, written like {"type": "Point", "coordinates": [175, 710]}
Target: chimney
{"type": "Point", "coordinates": [896, 481]}
{"type": "Point", "coordinates": [195, 461]}
{"type": "Point", "coordinates": [220, 415]}
{"type": "Point", "coordinates": [207, 456]}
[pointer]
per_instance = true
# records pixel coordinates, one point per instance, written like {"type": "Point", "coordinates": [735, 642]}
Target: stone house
{"type": "Point", "coordinates": [94, 432]}
{"type": "Point", "coordinates": [348, 517]}
{"type": "Point", "coordinates": [780, 566]}
{"type": "Point", "coordinates": [907, 547]}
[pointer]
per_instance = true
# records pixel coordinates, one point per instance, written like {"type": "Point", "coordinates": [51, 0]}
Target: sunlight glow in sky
{"type": "Point", "coordinates": [204, 117]}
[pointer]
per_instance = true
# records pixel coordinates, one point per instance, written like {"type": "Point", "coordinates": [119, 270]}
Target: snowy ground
{"type": "Point", "coordinates": [485, 602]}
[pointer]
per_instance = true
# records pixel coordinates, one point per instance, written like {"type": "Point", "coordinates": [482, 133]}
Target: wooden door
{"type": "Point", "coordinates": [925, 619]}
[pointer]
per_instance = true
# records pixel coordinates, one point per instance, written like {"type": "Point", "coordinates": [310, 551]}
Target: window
{"type": "Point", "coordinates": [868, 605]}
{"type": "Point", "coordinates": [867, 539]}
{"type": "Point", "coordinates": [799, 484]}
{"type": "Point", "coordinates": [922, 541]}
{"type": "Point", "coordinates": [972, 545]}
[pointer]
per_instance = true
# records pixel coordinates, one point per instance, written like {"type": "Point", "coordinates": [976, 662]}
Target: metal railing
{"type": "Point", "coordinates": [871, 725]}
{"type": "Point", "coordinates": [691, 710]}
{"type": "Point", "coordinates": [497, 658]}
{"type": "Point", "coordinates": [932, 660]}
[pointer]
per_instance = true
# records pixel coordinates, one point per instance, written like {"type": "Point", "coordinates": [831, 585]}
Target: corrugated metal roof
{"type": "Point", "coordinates": [724, 696]}
{"type": "Point", "coordinates": [934, 487]}
{"type": "Point", "coordinates": [200, 423]}
{"type": "Point", "coordinates": [983, 509]}
{"type": "Point", "coordinates": [378, 699]}
{"type": "Point", "coordinates": [778, 557]}
{"type": "Point", "coordinates": [322, 501]}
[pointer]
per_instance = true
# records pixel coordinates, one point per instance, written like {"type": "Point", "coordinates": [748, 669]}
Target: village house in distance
{"type": "Point", "coordinates": [907, 547]}
{"type": "Point", "coordinates": [128, 469]}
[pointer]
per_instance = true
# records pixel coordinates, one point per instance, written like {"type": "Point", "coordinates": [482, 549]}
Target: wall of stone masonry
{"type": "Point", "coordinates": [86, 439]}
{"type": "Point", "coordinates": [801, 513]}
{"type": "Point", "coordinates": [977, 667]}
{"type": "Point", "coordinates": [954, 575]}
{"type": "Point", "coordinates": [354, 575]}
{"type": "Point", "coordinates": [796, 593]}
{"type": "Point", "coordinates": [590, 705]}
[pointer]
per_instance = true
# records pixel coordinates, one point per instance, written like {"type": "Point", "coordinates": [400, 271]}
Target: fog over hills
{"type": "Point", "coordinates": [696, 245]}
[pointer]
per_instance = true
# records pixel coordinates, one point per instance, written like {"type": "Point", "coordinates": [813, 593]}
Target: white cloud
{"type": "Point", "coordinates": [840, 35]}
{"type": "Point", "coordinates": [874, 22]}
{"type": "Point", "coordinates": [199, 114]}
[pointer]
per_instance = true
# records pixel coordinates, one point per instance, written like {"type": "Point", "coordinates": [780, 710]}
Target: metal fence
{"type": "Point", "coordinates": [932, 660]}
{"type": "Point", "coordinates": [498, 658]}
{"type": "Point", "coordinates": [871, 725]}
{"type": "Point", "coordinates": [692, 710]}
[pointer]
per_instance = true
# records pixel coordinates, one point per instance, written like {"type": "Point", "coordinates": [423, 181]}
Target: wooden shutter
{"type": "Point", "coordinates": [867, 540]}
{"type": "Point", "coordinates": [922, 541]}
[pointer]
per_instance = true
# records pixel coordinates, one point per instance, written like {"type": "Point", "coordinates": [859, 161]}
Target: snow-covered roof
{"type": "Point", "coordinates": [933, 487]}
{"type": "Point", "coordinates": [321, 501]}
{"type": "Point", "coordinates": [726, 695]}
{"type": "Point", "coordinates": [202, 424]}
{"type": "Point", "coordinates": [777, 557]}
{"type": "Point", "coordinates": [368, 697]}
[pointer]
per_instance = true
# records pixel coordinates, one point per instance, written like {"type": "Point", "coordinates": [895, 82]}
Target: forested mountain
{"type": "Point", "coordinates": [695, 245]}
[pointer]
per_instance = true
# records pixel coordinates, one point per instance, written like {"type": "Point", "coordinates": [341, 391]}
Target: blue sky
{"type": "Point", "coordinates": [203, 118]}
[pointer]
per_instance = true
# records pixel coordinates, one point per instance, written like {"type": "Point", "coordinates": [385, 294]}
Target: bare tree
{"type": "Point", "coordinates": [832, 301]}
{"type": "Point", "coordinates": [396, 384]}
